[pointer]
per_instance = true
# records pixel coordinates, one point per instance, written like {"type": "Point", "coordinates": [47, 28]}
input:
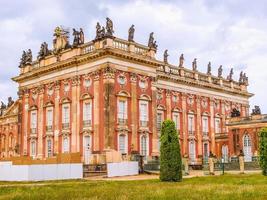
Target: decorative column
{"type": "Point", "coordinates": [134, 117]}
{"type": "Point", "coordinates": [168, 104]}
{"type": "Point", "coordinates": [199, 131]}
{"type": "Point", "coordinates": [40, 146]}
{"type": "Point", "coordinates": [56, 117]}
{"type": "Point", "coordinates": [155, 136]}
{"type": "Point", "coordinates": [74, 113]}
{"type": "Point", "coordinates": [96, 111]}
{"type": "Point", "coordinates": [212, 134]}
{"type": "Point", "coordinates": [185, 132]}
{"type": "Point", "coordinates": [79, 114]}
{"type": "Point", "coordinates": [109, 107]}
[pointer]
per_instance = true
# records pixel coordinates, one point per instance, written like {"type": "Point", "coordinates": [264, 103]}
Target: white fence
{"type": "Point", "coordinates": [122, 169]}
{"type": "Point", "coordinates": [9, 172]}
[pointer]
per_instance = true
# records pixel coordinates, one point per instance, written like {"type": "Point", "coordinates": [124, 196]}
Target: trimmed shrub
{"type": "Point", "coordinates": [170, 155]}
{"type": "Point", "coordinates": [263, 150]}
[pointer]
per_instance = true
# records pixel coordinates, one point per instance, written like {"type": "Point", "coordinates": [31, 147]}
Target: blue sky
{"type": "Point", "coordinates": [229, 33]}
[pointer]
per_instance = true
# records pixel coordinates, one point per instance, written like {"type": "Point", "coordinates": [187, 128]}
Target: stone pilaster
{"type": "Point", "coordinates": [96, 111]}
{"type": "Point", "coordinates": [155, 136]}
{"type": "Point", "coordinates": [25, 122]}
{"type": "Point", "coordinates": [133, 79]}
{"type": "Point", "coordinates": [109, 107]}
{"type": "Point", "coordinates": [185, 132]}
{"type": "Point", "coordinates": [168, 104]}
{"type": "Point", "coordinates": [212, 133]}
{"type": "Point", "coordinates": [74, 114]}
{"type": "Point", "coordinates": [223, 117]}
{"type": "Point", "coordinates": [56, 117]}
{"type": "Point", "coordinates": [40, 145]}
{"type": "Point", "coordinates": [198, 127]}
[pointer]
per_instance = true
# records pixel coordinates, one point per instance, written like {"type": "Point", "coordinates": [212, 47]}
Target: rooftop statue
{"type": "Point", "coordinates": [235, 113]}
{"type": "Point", "coordinates": [194, 64]}
{"type": "Point", "coordinates": [220, 71]}
{"type": "Point", "coordinates": [256, 111]}
{"type": "Point", "coordinates": [131, 34]}
{"type": "Point", "coordinates": [241, 77]}
{"type": "Point", "coordinates": [245, 79]}
{"type": "Point", "coordinates": [10, 102]}
{"type": "Point", "coordinates": [181, 60]}
{"type": "Point", "coordinates": [44, 51]}
{"type": "Point", "coordinates": [61, 39]}
{"type": "Point", "coordinates": [3, 106]}
{"type": "Point", "coordinates": [81, 35]}
{"type": "Point", "coordinates": [109, 27]}
{"type": "Point", "coordinates": [76, 37]}
{"type": "Point", "coordinates": [151, 42]}
{"type": "Point", "coordinates": [209, 68]}
{"type": "Point", "coordinates": [98, 31]}
{"type": "Point", "coordinates": [165, 56]}
{"type": "Point", "coordinates": [230, 76]}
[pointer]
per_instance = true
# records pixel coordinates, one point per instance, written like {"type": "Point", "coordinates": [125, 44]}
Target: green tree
{"type": "Point", "coordinates": [263, 150]}
{"type": "Point", "coordinates": [170, 155]}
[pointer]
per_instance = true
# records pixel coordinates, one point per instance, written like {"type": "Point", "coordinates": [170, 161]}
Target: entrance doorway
{"type": "Point", "coordinates": [87, 149]}
{"type": "Point", "coordinates": [247, 148]}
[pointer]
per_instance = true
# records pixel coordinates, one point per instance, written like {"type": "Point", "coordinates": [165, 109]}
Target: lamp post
{"type": "Point", "coordinates": [223, 165]}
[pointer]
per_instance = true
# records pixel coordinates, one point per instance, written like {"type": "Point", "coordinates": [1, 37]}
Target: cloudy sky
{"type": "Point", "coordinates": [232, 33]}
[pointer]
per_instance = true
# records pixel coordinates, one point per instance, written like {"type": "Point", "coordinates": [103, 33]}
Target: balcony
{"type": "Point", "coordinates": [221, 136]}
{"type": "Point", "coordinates": [49, 128]}
{"type": "Point", "coordinates": [191, 133]}
{"type": "Point", "coordinates": [65, 126]}
{"type": "Point", "coordinates": [33, 130]}
{"type": "Point", "coordinates": [143, 123]}
{"type": "Point", "coordinates": [87, 123]}
{"type": "Point", "coordinates": [205, 134]}
{"type": "Point", "coordinates": [122, 121]}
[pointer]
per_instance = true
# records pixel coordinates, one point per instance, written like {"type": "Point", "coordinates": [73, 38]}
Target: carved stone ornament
{"type": "Point", "coordinates": [50, 91]}
{"type": "Point", "coordinates": [133, 77]}
{"type": "Point", "coordinates": [66, 87]}
{"type": "Point", "coordinates": [190, 100]}
{"type": "Point", "coordinates": [87, 82]}
{"type": "Point", "coordinates": [175, 98]}
{"type": "Point", "coordinates": [143, 83]}
{"type": "Point", "coordinates": [121, 79]}
{"type": "Point", "coordinates": [204, 103]}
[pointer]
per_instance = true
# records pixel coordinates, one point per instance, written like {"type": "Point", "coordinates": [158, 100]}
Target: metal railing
{"type": "Point", "coordinates": [87, 123]}
{"type": "Point", "coordinates": [192, 133]}
{"type": "Point", "coordinates": [122, 121]}
{"type": "Point", "coordinates": [65, 125]}
{"type": "Point", "coordinates": [143, 123]}
{"type": "Point", "coordinates": [33, 130]}
{"type": "Point", "coordinates": [49, 127]}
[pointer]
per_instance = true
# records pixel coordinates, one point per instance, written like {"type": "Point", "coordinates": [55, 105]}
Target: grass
{"type": "Point", "coordinates": [217, 187]}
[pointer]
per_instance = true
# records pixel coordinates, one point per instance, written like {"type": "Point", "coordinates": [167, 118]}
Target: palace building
{"type": "Point", "coordinates": [112, 94]}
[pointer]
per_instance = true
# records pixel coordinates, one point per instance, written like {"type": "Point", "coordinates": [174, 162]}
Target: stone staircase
{"type": "Point", "coordinates": [94, 170]}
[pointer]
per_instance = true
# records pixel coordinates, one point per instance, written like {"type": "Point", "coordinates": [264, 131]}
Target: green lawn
{"type": "Point", "coordinates": [217, 187]}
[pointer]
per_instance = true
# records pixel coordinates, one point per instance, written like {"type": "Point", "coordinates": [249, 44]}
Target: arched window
{"type": "Point", "coordinates": [123, 143]}
{"type": "Point", "coordinates": [66, 145]}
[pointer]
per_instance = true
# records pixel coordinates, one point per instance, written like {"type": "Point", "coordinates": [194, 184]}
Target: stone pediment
{"type": "Point", "coordinates": [12, 110]}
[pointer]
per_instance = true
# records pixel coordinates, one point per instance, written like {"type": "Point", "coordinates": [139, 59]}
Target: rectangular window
{"type": "Point", "coordinates": [33, 148]}
{"type": "Point", "coordinates": [143, 112]}
{"type": "Point", "coordinates": [87, 114]}
{"type": "Point", "coordinates": [205, 127]}
{"type": "Point", "coordinates": [176, 119]}
{"type": "Point", "coordinates": [217, 125]}
{"type": "Point", "coordinates": [49, 118]}
{"type": "Point", "coordinates": [122, 110]}
{"type": "Point", "coordinates": [65, 145]}
{"type": "Point", "coordinates": [33, 120]}
{"type": "Point", "coordinates": [191, 124]}
{"type": "Point", "coordinates": [159, 120]}
{"type": "Point", "coordinates": [49, 148]}
{"type": "Point", "coordinates": [122, 143]}
{"type": "Point", "coordinates": [65, 116]}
